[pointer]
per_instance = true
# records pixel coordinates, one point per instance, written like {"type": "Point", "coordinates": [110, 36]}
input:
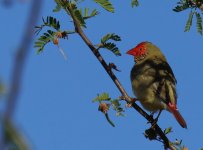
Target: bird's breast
{"type": "Point", "coordinates": [144, 85]}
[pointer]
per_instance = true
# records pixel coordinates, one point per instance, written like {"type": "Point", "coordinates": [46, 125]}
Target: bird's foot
{"type": "Point", "coordinates": [151, 118]}
{"type": "Point", "coordinates": [129, 105]}
{"type": "Point", "coordinates": [154, 121]}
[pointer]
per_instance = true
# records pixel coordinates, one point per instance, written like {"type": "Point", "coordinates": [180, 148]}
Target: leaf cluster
{"type": "Point", "coordinates": [196, 7]}
{"type": "Point", "coordinates": [81, 15]}
{"type": "Point", "coordinates": [105, 101]}
{"type": "Point", "coordinates": [107, 5]}
{"type": "Point", "coordinates": [44, 39]}
{"type": "Point", "coordinates": [49, 22]}
{"type": "Point", "coordinates": [50, 35]}
{"type": "Point", "coordinates": [110, 45]}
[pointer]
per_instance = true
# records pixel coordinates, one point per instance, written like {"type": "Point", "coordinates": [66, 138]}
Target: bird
{"type": "Point", "coordinates": [153, 81]}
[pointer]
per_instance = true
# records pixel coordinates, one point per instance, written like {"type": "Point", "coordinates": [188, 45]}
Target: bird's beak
{"type": "Point", "coordinates": [131, 52]}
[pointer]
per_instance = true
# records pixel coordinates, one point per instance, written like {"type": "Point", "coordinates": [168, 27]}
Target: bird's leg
{"type": "Point", "coordinates": [151, 117]}
{"type": "Point", "coordinates": [156, 119]}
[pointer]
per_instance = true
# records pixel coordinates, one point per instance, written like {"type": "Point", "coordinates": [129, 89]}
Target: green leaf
{"type": "Point", "coordinates": [110, 36]}
{"type": "Point", "coordinates": [44, 39]}
{"type": "Point", "coordinates": [181, 8]}
{"type": "Point", "coordinates": [168, 130]}
{"type": "Point", "coordinates": [87, 14]}
{"type": "Point", "coordinates": [57, 8]}
{"type": "Point", "coordinates": [53, 22]}
{"type": "Point", "coordinates": [79, 17]}
{"type": "Point", "coordinates": [13, 137]}
{"type": "Point", "coordinates": [134, 3]}
{"type": "Point", "coordinates": [117, 107]}
{"type": "Point", "coordinates": [199, 23]}
{"type": "Point", "coordinates": [112, 47]}
{"type": "Point", "coordinates": [49, 22]}
{"type": "Point", "coordinates": [109, 45]}
{"type": "Point", "coordinates": [105, 4]}
{"type": "Point", "coordinates": [189, 21]}
{"type": "Point", "coordinates": [182, 5]}
{"type": "Point", "coordinates": [102, 97]}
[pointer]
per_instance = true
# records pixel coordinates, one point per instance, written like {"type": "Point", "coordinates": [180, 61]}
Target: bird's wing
{"type": "Point", "coordinates": [164, 83]}
{"type": "Point", "coordinates": [166, 89]}
{"type": "Point", "coordinates": [164, 70]}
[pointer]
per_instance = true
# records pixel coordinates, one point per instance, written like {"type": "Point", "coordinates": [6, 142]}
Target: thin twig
{"type": "Point", "coordinates": [114, 78]}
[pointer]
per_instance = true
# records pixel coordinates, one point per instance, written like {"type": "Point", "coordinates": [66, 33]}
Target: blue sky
{"type": "Point", "coordinates": [55, 109]}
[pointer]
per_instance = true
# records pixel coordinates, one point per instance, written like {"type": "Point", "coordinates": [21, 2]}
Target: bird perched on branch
{"type": "Point", "coordinates": [153, 81]}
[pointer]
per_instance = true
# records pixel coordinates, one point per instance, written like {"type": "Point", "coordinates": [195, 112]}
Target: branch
{"type": "Point", "coordinates": [115, 79]}
{"type": "Point", "coordinates": [19, 62]}
{"type": "Point", "coordinates": [20, 59]}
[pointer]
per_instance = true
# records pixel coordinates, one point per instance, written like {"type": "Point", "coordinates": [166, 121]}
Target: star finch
{"type": "Point", "coordinates": [153, 81]}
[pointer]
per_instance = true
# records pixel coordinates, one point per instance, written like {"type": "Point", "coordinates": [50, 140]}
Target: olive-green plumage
{"type": "Point", "coordinates": [153, 81]}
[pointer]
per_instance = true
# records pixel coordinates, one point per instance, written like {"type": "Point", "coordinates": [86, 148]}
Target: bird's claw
{"type": "Point", "coordinates": [154, 123]}
{"type": "Point", "coordinates": [152, 120]}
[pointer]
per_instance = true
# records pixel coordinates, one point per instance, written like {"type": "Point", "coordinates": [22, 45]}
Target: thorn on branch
{"type": "Point", "coordinates": [113, 66]}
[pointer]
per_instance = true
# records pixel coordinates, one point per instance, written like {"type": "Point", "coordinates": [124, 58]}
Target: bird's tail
{"type": "Point", "coordinates": [173, 109]}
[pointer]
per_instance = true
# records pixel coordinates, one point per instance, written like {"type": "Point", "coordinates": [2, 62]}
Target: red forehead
{"type": "Point", "coordinates": [139, 50]}
{"type": "Point", "coordinates": [141, 44]}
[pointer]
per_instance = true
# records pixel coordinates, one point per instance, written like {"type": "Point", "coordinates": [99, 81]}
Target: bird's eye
{"type": "Point", "coordinates": [140, 49]}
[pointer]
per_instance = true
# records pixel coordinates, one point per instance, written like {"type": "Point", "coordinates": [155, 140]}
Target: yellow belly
{"type": "Point", "coordinates": [145, 88]}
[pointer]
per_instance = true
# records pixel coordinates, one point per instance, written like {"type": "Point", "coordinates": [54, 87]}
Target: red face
{"type": "Point", "coordinates": [139, 52]}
